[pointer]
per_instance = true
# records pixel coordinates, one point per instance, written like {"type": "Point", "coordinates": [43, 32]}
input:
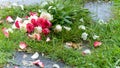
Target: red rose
{"type": "Point", "coordinates": [34, 22]}
{"type": "Point", "coordinates": [44, 23]}
{"type": "Point", "coordinates": [46, 31]}
{"type": "Point", "coordinates": [30, 27]}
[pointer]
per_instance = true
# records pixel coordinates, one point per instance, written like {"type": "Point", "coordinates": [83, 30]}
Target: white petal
{"type": "Point", "coordinates": [81, 27]}
{"type": "Point", "coordinates": [48, 39]}
{"type": "Point", "coordinates": [35, 55]}
{"type": "Point", "coordinates": [58, 28]}
{"type": "Point", "coordinates": [84, 36]}
{"type": "Point", "coordinates": [81, 20]}
{"type": "Point", "coordinates": [95, 37]}
{"type": "Point", "coordinates": [46, 15]}
{"type": "Point", "coordinates": [67, 28]}
{"type": "Point", "coordinates": [10, 30]}
{"type": "Point", "coordinates": [87, 51]}
{"type": "Point", "coordinates": [56, 66]}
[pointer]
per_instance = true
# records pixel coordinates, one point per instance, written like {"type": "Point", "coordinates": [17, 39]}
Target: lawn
{"type": "Point", "coordinates": [106, 55]}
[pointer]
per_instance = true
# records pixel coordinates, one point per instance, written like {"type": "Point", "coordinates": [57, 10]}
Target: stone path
{"type": "Point", "coordinates": [23, 60]}
{"type": "Point", "coordinates": [100, 10]}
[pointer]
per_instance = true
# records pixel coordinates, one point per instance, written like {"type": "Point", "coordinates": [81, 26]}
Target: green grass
{"type": "Point", "coordinates": [104, 56]}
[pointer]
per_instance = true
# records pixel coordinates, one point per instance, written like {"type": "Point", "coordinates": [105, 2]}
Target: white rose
{"type": "Point", "coordinates": [46, 15]}
{"type": "Point", "coordinates": [38, 29]}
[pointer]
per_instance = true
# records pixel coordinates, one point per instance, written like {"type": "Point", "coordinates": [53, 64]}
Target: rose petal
{"type": "Point", "coordinates": [56, 66]}
{"type": "Point", "coordinates": [58, 28]}
{"type": "Point", "coordinates": [5, 32]}
{"type": "Point", "coordinates": [38, 63]}
{"type": "Point", "coordinates": [97, 43]}
{"type": "Point", "coordinates": [22, 45]}
{"type": "Point", "coordinates": [9, 19]}
{"type": "Point", "coordinates": [48, 39]}
{"type": "Point", "coordinates": [35, 55]}
{"type": "Point", "coordinates": [86, 51]}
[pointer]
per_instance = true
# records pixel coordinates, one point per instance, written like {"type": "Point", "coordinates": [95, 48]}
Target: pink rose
{"type": "Point", "coordinates": [30, 27]}
{"type": "Point", "coordinates": [46, 31]}
{"type": "Point", "coordinates": [44, 23]}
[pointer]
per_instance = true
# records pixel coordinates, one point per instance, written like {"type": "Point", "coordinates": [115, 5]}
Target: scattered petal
{"type": "Point", "coordinates": [35, 55]}
{"type": "Point", "coordinates": [82, 27]}
{"type": "Point", "coordinates": [5, 32]}
{"type": "Point", "coordinates": [56, 66]}
{"type": "Point", "coordinates": [95, 37]}
{"type": "Point", "coordinates": [84, 36]}
{"type": "Point", "coordinates": [58, 28]}
{"type": "Point", "coordinates": [22, 45]}
{"type": "Point", "coordinates": [67, 28]}
{"type": "Point", "coordinates": [97, 43]}
{"type": "Point", "coordinates": [9, 19]}
{"type": "Point", "coordinates": [86, 51]}
{"type": "Point", "coordinates": [48, 39]}
{"type": "Point", "coordinates": [38, 63]}
{"type": "Point", "coordinates": [82, 20]}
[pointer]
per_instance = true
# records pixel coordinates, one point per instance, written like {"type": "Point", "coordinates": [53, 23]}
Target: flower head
{"type": "Point", "coordinates": [46, 15]}
{"type": "Point", "coordinates": [46, 31]}
{"type": "Point", "coordinates": [30, 27]}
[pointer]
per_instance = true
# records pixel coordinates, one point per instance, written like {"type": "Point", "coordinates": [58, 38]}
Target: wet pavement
{"type": "Point", "coordinates": [23, 60]}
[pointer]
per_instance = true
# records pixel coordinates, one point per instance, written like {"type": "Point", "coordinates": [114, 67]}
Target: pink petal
{"type": "Point", "coordinates": [22, 45]}
{"type": "Point", "coordinates": [97, 43]}
{"type": "Point", "coordinates": [16, 67]}
{"type": "Point", "coordinates": [5, 32]}
{"type": "Point", "coordinates": [38, 37]}
{"type": "Point", "coordinates": [9, 19]}
{"type": "Point", "coordinates": [38, 63]}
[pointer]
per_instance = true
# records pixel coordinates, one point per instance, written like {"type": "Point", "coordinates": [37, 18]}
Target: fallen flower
{"type": "Point", "coordinates": [58, 28]}
{"type": "Point", "coordinates": [95, 37]}
{"type": "Point", "coordinates": [84, 36]}
{"type": "Point", "coordinates": [56, 66]}
{"type": "Point", "coordinates": [67, 28]}
{"type": "Point", "coordinates": [86, 51]}
{"type": "Point", "coordinates": [5, 32]}
{"type": "Point", "coordinates": [38, 63]}
{"type": "Point", "coordinates": [35, 55]}
{"type": "Point", "coordinates": [97, 43]}
{"type": "Point", "coordinates": [22, 45]}
{"type": "Point", "coordinates": [81, 27]}
{"type": "Point", "coordinates": [48, 39]}
{"type": "Point", "coordinates": [9, 19]}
